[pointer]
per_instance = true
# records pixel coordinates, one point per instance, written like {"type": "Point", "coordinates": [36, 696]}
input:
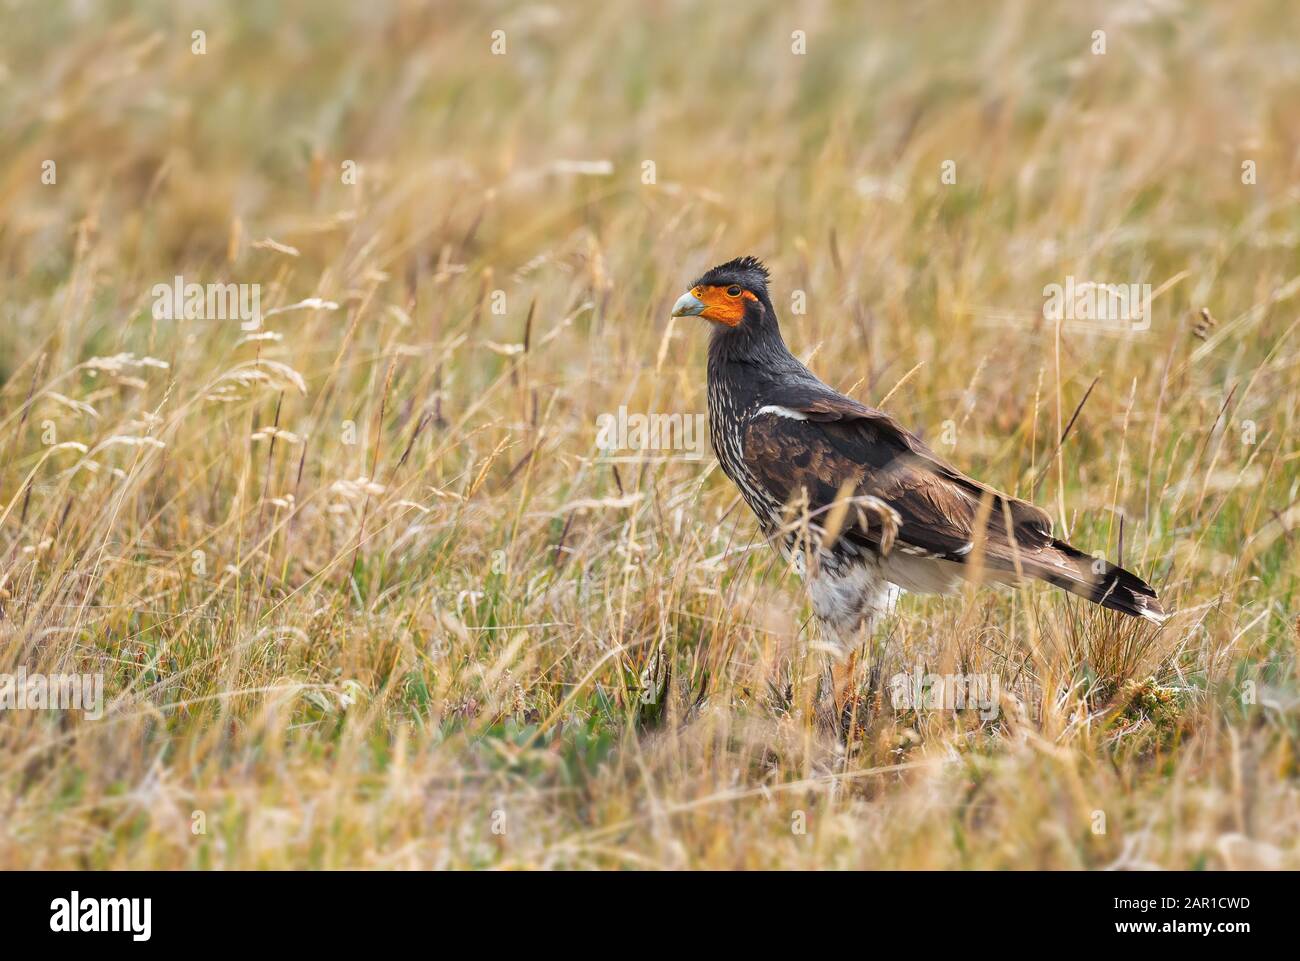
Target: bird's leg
{"type": "Point", "coordinates": [841, 707]}
{"type": "Point", "coordinates": [837, 703]}
{"type": "Point", "coordinates": [848, 597]}
{"type": "Point", "coordinates": [842, 681]}
{"type": "Point", "coordinates": [828, 711]}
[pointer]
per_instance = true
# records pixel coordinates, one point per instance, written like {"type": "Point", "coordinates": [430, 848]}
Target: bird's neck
{"type": "Point", "coordinates": [755, 341]}
{"type": "Point", "coordinates": [752, 354]}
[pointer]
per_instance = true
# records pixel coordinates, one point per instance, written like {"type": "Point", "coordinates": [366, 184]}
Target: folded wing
{"type": "Point", "coordinates": [812, 442]}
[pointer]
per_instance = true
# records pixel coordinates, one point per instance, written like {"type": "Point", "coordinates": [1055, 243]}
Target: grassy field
{"type": "Point", "coordinates": [365, 592]}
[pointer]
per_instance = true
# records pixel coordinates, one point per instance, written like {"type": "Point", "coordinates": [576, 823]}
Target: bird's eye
{"type": "Point", "coordinates": [733, 291]}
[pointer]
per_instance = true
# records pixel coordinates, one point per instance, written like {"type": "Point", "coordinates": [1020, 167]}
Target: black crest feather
{"type": "Point", "coordinates": [748, 272]}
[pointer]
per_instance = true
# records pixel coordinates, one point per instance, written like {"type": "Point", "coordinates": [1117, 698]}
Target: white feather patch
{"type": "Point", "coordinates": [783, 412]}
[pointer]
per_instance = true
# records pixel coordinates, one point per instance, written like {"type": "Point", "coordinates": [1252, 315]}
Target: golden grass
{"type": "Point", "coordinates": [463, 639]}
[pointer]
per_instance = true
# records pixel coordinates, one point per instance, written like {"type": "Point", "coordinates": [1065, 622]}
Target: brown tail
{"type": "Point", "coordinates": [1101, 582]}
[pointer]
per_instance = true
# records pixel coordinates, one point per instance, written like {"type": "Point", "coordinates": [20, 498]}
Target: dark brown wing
{"type": "Point", "coordinates": [810, 439]}
{"type": "Point", "coordinates": [815, 440]}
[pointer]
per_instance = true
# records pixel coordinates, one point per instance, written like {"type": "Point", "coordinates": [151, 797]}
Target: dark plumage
{"type": "Point", "coordinates": [746, 271]}
{"type": "Point", "coordinates": [857, 501]}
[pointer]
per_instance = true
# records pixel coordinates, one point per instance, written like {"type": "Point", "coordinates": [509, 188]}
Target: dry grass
{"type": "Point", "coordinates": [387, 649]}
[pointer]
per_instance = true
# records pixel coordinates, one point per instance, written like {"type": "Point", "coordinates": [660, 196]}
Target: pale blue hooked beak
{"type": "Point", "coordinates": [688, 305]}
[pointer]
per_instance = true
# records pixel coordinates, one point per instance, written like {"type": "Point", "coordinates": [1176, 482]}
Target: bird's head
{"type": "Point", "coordinates": [732, 295]}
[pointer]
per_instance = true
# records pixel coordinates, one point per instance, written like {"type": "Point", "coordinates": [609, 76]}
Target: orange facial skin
{"type": "Point", "coordinates": [723, 306]}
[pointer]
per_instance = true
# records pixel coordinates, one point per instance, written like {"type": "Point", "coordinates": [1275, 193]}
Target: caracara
{"type": "Point", "coordinates": [858, 504]}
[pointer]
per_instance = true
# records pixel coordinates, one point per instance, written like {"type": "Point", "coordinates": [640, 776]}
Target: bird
{"type": "Point", "coordinates": [856, 503]}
